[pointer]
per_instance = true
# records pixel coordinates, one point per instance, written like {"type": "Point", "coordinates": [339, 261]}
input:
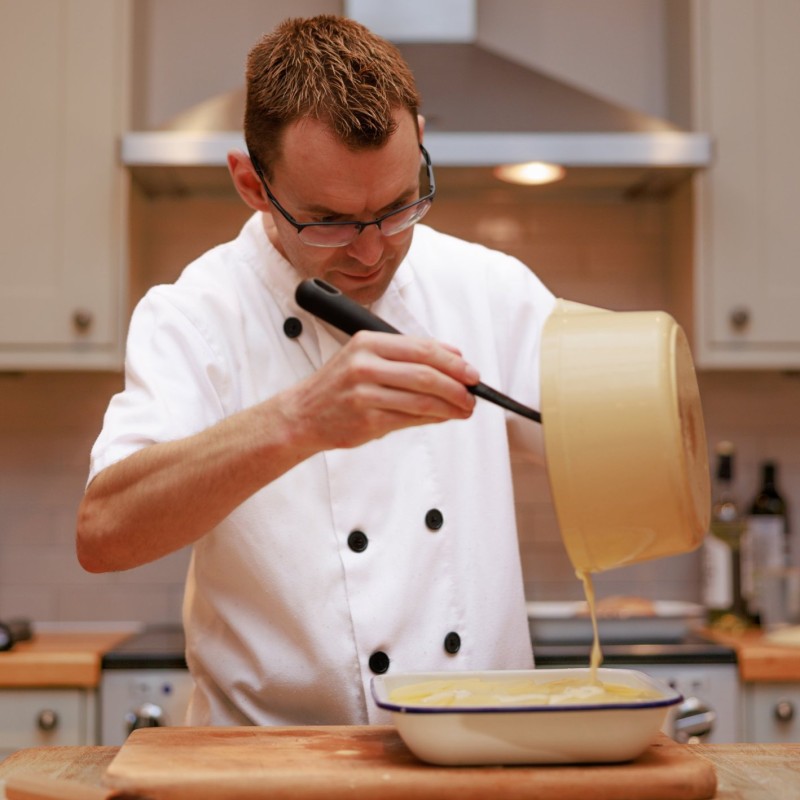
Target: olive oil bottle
{"type": "Point", "coordinates": [722, 551]}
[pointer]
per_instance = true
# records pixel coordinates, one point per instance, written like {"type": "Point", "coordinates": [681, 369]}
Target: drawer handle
{"type": "Point", "coordinates": [740, 319]}
{"type": "Point", "coordinates": [82, 320]}
{"type": "Point", "coordinates": [148, 715]}
{"type": "Point", "coordinates": [693, 721]}
{"type": "Point", "coordinates": [47, 720]}
{"type": "Point", "coordinates": [784, 711]}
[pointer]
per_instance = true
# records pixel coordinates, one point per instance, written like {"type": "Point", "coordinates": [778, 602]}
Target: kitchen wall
{"type": "Point", "coordinates": [169, 73]}
{"type": "Point", "coordinates": [598, 249]}
{"type": "Point", "coordinates": [601, 251]}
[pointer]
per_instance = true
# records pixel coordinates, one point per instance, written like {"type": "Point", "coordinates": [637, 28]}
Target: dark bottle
{"type": "Point", "coordinates": [722, 552]}
{"type": "Point", "coordinates": [769, 501]}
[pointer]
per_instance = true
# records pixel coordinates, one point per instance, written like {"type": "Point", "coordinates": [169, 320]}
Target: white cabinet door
{"type": "Point", "coordinates": [64, 99]}
{"type": "Point", "coordinates": [772, 712]}
{"type": "Point", "coordinates": [46, 718]}
{"type": "Point", "coordinates": [747, 67]}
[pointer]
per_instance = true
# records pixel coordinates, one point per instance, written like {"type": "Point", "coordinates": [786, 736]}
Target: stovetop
{"type": "Point", "coordinates": [156, 647]}
{"type": "Point", "coordinates": [163, 647]}
{"type": "Point", "coordinates": [694, 649]}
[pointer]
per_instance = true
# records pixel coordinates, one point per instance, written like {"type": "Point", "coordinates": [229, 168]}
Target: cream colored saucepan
{"type": "Point", "coordinates": [624, 436]}
{"type": "Point", "coordinates": [623, 427]}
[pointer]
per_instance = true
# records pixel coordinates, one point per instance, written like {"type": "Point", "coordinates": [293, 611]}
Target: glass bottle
{"type": "Point", "coordinates": [769, 501]}
{"type": "Point", "coordinates": [768, 535]}
{"type": "Point", "coordinates": [722, 571]}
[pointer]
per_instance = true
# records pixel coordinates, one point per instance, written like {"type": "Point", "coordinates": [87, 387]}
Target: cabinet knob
{"type": "Point", "coordinates": [82, 320]}
{"type": "Point", "coordinates": [739, 318]}
{"type": "Point", "coordinates": [784, 711]}
{"type": "Point", "coordinates": [47, 720]}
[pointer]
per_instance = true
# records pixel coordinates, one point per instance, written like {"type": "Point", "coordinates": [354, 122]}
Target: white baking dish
{"type": "Point", "coordinates": [531, 734]}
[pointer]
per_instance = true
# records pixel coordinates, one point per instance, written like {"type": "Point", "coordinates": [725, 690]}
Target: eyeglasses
{"type": "Point", "coordinates": [339, 234]}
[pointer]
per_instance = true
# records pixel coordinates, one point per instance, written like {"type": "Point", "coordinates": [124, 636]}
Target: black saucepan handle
{"type": "Point", "coordinates": [326, 302]}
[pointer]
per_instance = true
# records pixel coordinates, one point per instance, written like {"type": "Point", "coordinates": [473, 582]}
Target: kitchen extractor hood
{"type": "Point", "coordinates": [481, 110]}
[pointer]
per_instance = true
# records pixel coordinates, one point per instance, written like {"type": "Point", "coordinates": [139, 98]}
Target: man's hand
{"type": "Point", "coordinates": [378, 383]}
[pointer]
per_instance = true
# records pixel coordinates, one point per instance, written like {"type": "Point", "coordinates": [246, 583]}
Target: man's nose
{"type": "Point", "coordinates": [368, 246]}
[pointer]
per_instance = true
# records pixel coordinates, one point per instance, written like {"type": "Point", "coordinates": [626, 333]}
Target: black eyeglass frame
{"type": "Point", "coordinates": [357, 225]}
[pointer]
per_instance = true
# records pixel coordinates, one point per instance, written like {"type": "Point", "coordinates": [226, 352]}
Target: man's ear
{"type": "Point", "coordinates": [421, 126]}
{"type": "Point", "coordinates": [246, 181]}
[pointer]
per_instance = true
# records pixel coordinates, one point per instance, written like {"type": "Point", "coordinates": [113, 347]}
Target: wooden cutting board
{"type": "Point", "coordinates": [332, 762]}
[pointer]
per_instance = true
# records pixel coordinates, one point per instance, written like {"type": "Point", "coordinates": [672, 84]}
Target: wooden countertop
{"type": "Point", "coordinates": [744, 771]}
{"type": "Point", "coordinates": [759, 660]}
{"type": "Point", "coordinates": [57, 659]}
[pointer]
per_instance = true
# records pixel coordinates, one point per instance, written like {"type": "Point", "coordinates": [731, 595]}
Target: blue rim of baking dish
{"type": "Point", "coordinates": [671, 699]}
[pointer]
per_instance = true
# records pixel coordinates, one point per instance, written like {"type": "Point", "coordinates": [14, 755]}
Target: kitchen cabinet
{"type": "Point", "coordinates": [772, 712]}
{"type": "Point", "coordinates": [49, 688]}
{"type": "Point", "coordinates": [770, 679]}
{"type": "Point", "coordinates": [46, 717]}
{"type": "Point", "coordinates": [64, 89]}
{"type": "Point", "coordinates": [747, 285]}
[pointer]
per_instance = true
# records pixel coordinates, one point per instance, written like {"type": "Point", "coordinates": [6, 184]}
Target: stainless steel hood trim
{"type": "Point", "coordinates": [664, 149]}
{"type": "Point", "coordinates": [179, 149]}
{"type": "Point", "coordinates": [571, 149]}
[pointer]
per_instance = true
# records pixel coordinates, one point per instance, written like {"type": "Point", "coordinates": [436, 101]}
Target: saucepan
{"type": "Point", "coordinates": [625, 442]}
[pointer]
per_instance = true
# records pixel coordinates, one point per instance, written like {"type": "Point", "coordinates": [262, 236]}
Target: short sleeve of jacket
{"type": "Point", "coordinates": [173, 383]}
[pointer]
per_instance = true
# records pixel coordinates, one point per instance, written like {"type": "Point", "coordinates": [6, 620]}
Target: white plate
{"type": "Point", "coordinates": [567, 622]}
{"type": "Point", "coordinates": [567, 734]}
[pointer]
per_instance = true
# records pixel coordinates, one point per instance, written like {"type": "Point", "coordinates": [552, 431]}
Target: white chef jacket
{"type": "Point", "coordinates": [400, 554]}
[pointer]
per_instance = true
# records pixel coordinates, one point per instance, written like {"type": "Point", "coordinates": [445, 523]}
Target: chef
{"type": "Point", "coordinates": [348, 502]}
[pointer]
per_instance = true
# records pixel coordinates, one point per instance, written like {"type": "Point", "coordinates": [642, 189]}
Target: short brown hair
{"type": "Point", "coordinates": [331, 69]}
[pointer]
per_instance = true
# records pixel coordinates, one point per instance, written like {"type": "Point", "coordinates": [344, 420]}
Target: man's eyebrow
{"type": "Point", "coordinates": [321, 210]}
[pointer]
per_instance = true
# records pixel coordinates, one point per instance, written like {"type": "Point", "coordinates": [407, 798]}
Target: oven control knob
{"type": "Point", "coordinates": [784, 711]}
{"type": "Point", "coordinates": [148, 715]}
{"type": "Point", "coordinates": [693, 720]}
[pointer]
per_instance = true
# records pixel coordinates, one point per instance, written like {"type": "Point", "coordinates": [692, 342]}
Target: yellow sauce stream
{"type": "Point", "coordinates": [597, 654]}
{"type": "Point", "coordinates": [466, 692]}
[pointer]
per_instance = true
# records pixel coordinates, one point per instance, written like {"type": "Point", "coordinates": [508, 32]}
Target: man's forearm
{"type": "Point", "coordinates": [170, 494]}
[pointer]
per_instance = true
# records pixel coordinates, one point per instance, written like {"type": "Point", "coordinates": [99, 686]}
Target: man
{"type": "Point", "coordinates": [349, 504]}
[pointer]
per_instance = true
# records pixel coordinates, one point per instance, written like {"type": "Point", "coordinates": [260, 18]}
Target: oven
{"type": "Point", "coordinates": [144, 683]}
{"type": "Point", "coordinates": [704, 672]}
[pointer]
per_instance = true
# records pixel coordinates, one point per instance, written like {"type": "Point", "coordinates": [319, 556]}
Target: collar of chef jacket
{"type": "Point", "coordinates": [284, 279]}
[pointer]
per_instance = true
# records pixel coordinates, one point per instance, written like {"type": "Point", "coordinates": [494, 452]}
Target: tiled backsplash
{"type": "Point", "coordinates": [603, 252]}
{"type": "Point", "coordinates": [48, 422]}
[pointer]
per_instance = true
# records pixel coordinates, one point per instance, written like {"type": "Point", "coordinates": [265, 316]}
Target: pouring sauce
{"type": "Point", "coordinates": [596, 657]}
{"type": "Point", "coordinates": [482, 692]}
